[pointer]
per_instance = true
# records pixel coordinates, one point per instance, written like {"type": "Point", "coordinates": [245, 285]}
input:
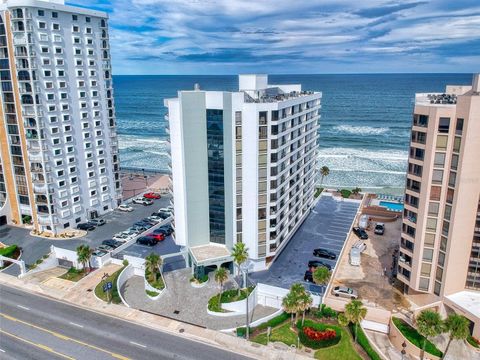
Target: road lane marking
{"type": "Point", "coordinates": [40, 346]}
{"type": "Point", "coordinates": [63, 337]}
{"type": "Point", "coordinates": [137, 344]}
{"type": "Point", "coordinates": [23, 307]}
{"type": "Point", "coordinates": [77, 325]}
{"type": "Point", "coordinates": [1, 350]}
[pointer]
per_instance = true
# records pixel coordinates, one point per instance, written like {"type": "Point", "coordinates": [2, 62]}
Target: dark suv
{"type": "Point", "coordinates": [324, 253]}
{"type": "Point", "coordinates": [308, 276]}
{"type": "Point", "coordinates": [362, 234]}
{"type": "Point", "coordinates": [86, 226]}
{"type": "Point", "coordinates": [318, 263]}
{"type": "Point", "coordinates": [146, 240]}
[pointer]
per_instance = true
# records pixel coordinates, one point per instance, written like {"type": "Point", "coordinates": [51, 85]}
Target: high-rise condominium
{"type": "Point", "coordinates": [440, 245]}
{"type": "Point", "coordinates": [59, 154]}
{"type": "Point", "coordinates": [243, 168]}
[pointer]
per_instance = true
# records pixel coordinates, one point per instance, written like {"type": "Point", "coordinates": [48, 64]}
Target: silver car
{"type": "Point", "coordinates": [345, 292]}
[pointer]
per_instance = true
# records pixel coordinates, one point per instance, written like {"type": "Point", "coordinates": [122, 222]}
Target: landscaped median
{"type": "Point", "coordinates": [114, 295]}
{"type": "Point", "coordinates": [154, 283]}
{"type": "Point", "coordinates": [233, 297]}
{"type": "Point", "coordinates": [401, 331]}
{"type": "Point", "coordinates": [12, 252]}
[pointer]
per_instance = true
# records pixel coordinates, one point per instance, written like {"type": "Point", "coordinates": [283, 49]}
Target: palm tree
{"type": "Point", "coordinates": [152, 264]}
{"type": "Point", "coordinates": [355, 312]}
{"type": "Point", "coordinates": [458, 327]}
{"type": "Point", "coordinates": [221, 275]}
{"type": "Point", "coordinates": [356, 191]}
{"type": "Point", "coordinates": [324, 171]}
{"type": "Point", "coordinates": [289, 304]}
{"type": "Point", "coordinates": [240, 255]}
{"type": "Point", "coordinates": [83, 255]}
{"type": "Point", "coordinates": [321, 276]}
{"type": "Point", "coordinates": [298, 290]}
{"type": "Point", "coordinates": [304, 303]}
{"type": "Point", "coordinates": [429, 324]}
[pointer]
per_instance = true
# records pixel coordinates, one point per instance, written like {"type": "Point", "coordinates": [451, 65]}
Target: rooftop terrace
{"type": "Point", "coordinates": [271, 95]}
{"type": "Point", "coordinates": [436, 99]}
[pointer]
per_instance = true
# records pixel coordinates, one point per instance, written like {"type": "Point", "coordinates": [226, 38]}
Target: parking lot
{"type": "Point", "coordinates": [33, 248]}
{"type": "Point", "coordinates": [327, 227]}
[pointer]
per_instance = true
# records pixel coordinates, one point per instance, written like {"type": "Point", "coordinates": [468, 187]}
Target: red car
{"type": "Point", "coordinates": [157, 237]}
{"type": "Point", "coordinates": [151, 195]}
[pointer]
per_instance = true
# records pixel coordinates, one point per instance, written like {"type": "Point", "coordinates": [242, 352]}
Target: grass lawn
{"type": "Point", "coordinates": [115, 298]}
{"type": "Point", "coordinates": [415, 338]}
{"type": "Point", "coordinates": [343, 350]}
{"type": "Point", "coordinates": [74, 274]}
{"type": "Point", "coordinates": [363, 342]}
{"type": "Point", "coordinates": [283, 333]}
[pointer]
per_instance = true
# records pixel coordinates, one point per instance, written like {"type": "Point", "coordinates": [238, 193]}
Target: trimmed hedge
{"type": "Point", "coordinates": [326, 312]}
{"type": "Point", "coordinates": [214, 304]}
{"type": "Point", "coordinates": [305, 340]}
{"type": "Point", "coordinates": [8, 251]}
{"type": "Point", "coordinates": [277, 320]}
{"type": "Point", "coordinates": [151, 293]}
{"type": "Point", "coordinates": [415, 337]}
{"type": "Point", "coordinates": [363, 342]}
{"type": "Point", "coordinates": [472, 341]}
{"type": "Point", "coordinates": [345, 193]}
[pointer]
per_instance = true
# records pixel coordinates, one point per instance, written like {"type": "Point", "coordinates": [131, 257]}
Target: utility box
{"type": "Point", "coordinates": [355, 256]}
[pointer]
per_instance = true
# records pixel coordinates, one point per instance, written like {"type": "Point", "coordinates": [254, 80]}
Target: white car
{"type": "Point", "coordinates": [345, 292]}
{"type": "Point", "coordinates": [125, 208]}
{"type": "Point", "coordinates": [154, 218]}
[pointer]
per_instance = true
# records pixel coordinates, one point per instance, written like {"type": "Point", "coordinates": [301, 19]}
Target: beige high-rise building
{"type": "Point", "coordinates": [440, 244]}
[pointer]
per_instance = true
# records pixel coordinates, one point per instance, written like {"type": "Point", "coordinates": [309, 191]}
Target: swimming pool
{"type": "Point", "coordinates": [392, 206]}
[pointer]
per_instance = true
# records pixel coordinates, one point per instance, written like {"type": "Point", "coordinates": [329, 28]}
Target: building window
{"type": "Point", "coordinates": [435, 192]}
{"type": "Point", "coordinates": [459, 127]}
{"type": "Point", "coordinates": [444, 125]}
{"type": "Point", "coordinates": [216, 183]}
{"type": "Point", "coordinates": [442, 141]}
{"type": "Point", "coordinates": [423, 284]}
{"type": "Point", "coordinates": [437, 176]}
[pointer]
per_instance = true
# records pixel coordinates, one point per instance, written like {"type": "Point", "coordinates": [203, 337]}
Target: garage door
{"type": "Point", "coordinates": [65, 263]}
{"type": "Point", "coordinates": [3, 220]}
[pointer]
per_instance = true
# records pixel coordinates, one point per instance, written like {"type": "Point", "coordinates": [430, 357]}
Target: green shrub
{"type": "Point", "coordinates": [326, 312]}
{"type": "Point", "coordinates": [125, 262]}
{"type": "Point", "coordinates": [231, 295]}
{"type": "Point", "coordinates": [39, 261]}
{"type": "Point", "coordinates": [158, 284]}
{"type": "Point", "coordinates": [363, 341]}
{"type": "Point", "coordinates": [318, 191]}
{"type": "Point", "coordinates": [8, 251]}
{"type": "Point", "coordinates": [345, 193]}
{"type": "Point", "coordinates": [415, 338]}
{"type": "Point", "coordinates": [277, 320]}
{"type": "Point", "coordinates": [45, 256]}
{"type": "Point", "coordinates": [472, 341]}
{"type": "Point", "coordinates": [305, 340]}
{"type": "Point", "coordinates": [151, 293]}
{"type": "Point", "coordinates": [214, 304]}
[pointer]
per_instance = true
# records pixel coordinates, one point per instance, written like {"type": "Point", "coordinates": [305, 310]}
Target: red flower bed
{"type": "Point", "coordinates": [316, 335]}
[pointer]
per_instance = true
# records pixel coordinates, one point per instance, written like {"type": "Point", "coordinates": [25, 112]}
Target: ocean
{"type": "Point", "coordinates": [364, 126]}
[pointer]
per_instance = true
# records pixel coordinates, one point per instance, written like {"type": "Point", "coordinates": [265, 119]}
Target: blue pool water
{"type": "Point", "coordinates": [392, 206]}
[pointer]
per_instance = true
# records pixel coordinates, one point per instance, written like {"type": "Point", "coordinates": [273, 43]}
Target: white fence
{"type": "Point", "coordinates": [240, 307]}
{"type": "Point", "coordinates": [271, 296]}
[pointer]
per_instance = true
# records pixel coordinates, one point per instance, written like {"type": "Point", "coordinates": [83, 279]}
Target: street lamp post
{"type": "Point", "coordinates": [404, 345]}
{"type": "Point", "coordinates": [244, 268]}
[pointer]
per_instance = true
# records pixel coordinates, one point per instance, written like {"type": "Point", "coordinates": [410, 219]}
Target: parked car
{"type": "Point", "coordinates": [318, 263]}
{"type": "Point", "coordinates": [113, 243]}
{"type": "Point", "coordinates": [86, 226]}
{"type": "Point", "coordinates": [157, 219]}
{"type": "Point", "coordinates": [145, 240]}
{"type": "Point", "coordinates": [324, 253]}
{"type": "Point", "coordinates": [125, 208]}
{"type": "Point", "coordinates": [362, 234]}
{"type": "Point", "coordinates": [166, 229]}
{"type": "Point", "coordinates": [97, 222]}
{"type": "Point", "coordinates": [139, 228]}
{"type": "Point", "coordinates": [106, 248]}
{"type": "Point", "coordinates": [360, 245]}
{"type": "Point", "coordinates": [99, 253]}
{"type": "Point", "coordinates": [157, 237]}
{"type": "Point", "coordinates": [379, 228]}
{"type": "Point", "coordinates": [142, 201]}
{"type": "Point", "coordinates": [345, 292]}
{"type": "Point", "coordinates": [308, 276]}
{"type": "Point", "coordinates": [142, 225]}
{"type": "Point", "coordinates": [161, 214]}
{"type": "Point", "coordinates": [151, 195]}
{"type": "Point", "coordinates": [149, 221]}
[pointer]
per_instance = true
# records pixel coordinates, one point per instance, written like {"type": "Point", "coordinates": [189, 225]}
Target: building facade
{"type": "Point", "coordinates": [440, 244]}
{"type": "Point", "coordinates": [59, 152]}
{"type": "Point", "coordinates": [243, 167]}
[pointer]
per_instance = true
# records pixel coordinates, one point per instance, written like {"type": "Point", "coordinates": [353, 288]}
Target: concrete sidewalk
{"type": "Point", "coordinates": [82, 295]}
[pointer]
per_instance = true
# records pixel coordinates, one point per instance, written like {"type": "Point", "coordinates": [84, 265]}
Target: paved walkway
{"type": "Point", "coordinates": [382, 342]}
{"type": "Point", "coordinates": [185, 303]}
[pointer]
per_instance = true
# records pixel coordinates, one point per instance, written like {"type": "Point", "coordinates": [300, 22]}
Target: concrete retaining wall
{"type": "Point", "coordinates": [151, 288]}
{"type": "Point", "coordinates": [397, 339]}
{"type": "Point", "coordinates": [271, 296]}
{"type": "Point", "coordinates": [126, 274]}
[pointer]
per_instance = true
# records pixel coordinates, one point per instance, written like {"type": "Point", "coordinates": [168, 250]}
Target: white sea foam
{"type": "Point", "coordinates": [360, 130]}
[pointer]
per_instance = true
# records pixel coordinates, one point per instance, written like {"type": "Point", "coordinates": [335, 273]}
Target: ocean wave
{"type": "Point", "coordinates": [360, 130]}
{"type": "Point", "coordinates": [359, 153]}
{"type": "Point", "coordinates": [370, 171]}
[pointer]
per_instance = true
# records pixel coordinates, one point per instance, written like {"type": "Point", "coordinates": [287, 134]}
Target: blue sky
{"type": "Point", "coordinates": [292, 36]}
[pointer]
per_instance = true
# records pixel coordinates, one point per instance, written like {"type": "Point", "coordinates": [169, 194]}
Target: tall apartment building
{"type": "Point", "coordinates": [59, 152]}
{"type": "Point", "coordinates": [243, 168]}
{"type": "Point", "coordinates": [440, 245]}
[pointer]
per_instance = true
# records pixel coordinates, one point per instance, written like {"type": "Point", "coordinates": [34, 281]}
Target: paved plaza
{"type": "Point", "coordinates": [327, 227]}
{"type": "Point", "coordinates": [185, 303]}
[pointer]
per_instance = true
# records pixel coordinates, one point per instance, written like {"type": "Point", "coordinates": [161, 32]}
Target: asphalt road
{"type": "Point", "coordinates": [34, 327]}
